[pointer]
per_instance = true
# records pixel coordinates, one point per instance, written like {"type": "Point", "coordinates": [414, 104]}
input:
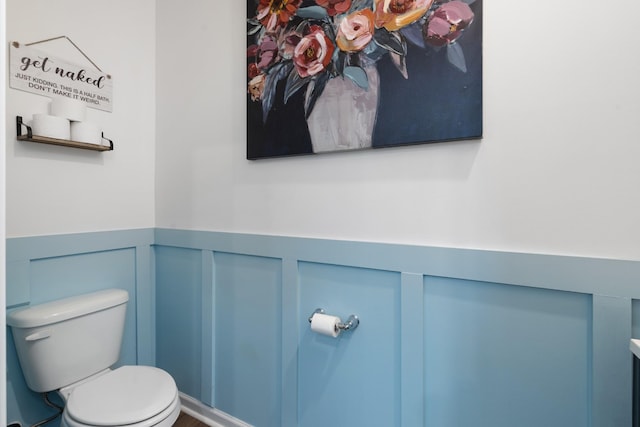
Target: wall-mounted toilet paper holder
{"type": "Point", "coordinates": [351, 323]}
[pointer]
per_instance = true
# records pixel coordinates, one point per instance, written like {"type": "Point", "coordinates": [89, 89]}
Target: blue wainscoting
{"type": "Point", "coordinates": [511, 356]}
{"type": "Point", "coordinates": [353, 380]}
{"type": "Point", "coordinates": [447, 338]}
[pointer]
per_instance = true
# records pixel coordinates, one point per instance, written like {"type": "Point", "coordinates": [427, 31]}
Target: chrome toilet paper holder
{"type": "Point", "coordinates": [351, 323]}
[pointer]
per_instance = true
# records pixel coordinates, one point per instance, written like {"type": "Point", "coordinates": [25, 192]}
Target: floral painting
{"type": "Point", "coordinates": [334, 75]}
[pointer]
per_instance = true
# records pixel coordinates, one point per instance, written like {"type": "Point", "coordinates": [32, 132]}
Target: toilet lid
{"type": "Point", "coordinates": [127, 395]}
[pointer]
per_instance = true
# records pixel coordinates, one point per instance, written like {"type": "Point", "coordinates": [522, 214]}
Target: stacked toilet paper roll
{"type": "Point", "coordinates": [86, 132]}
{"type": "Point", "coordinates": [51, 126]}
{"type": "Point", "coordinates": [70, 109]}
{"type": "Point", "coordinates": [66, 121]}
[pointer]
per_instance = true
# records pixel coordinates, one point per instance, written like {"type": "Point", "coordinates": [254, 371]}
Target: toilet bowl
{"type": "Point", "coordinates": [132, 396]}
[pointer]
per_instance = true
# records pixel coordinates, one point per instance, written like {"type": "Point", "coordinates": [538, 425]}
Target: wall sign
{"type": "Point", "coordinates": [34, 71]}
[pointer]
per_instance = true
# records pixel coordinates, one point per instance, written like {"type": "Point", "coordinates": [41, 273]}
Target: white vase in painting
{"type": "Point", "coordinates": [344, 114]}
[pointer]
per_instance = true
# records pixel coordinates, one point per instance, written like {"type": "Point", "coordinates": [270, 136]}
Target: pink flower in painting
{"type": "Point", "coordinates": [287, 43]}
{"type": "Point", "coordinates": [267, 52]}
{"type": "Point", "coordinates": [256, 87]}
{"type": "Point", "coordinates": [275, 13]}
{"type": "Point", "coordinates": [356, 31]}
{"type": "Point", "coordinates": [335, 7]}
{"type": "Point", "coordinates": [313, 53]}
{"type": "Point", "coordinates": [447, 23]}
{"type": "Point", "coordinates": [395, 14]}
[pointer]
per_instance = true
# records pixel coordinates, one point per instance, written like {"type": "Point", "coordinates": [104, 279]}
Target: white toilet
{"type": "Point", "coordinates": [69, 345]}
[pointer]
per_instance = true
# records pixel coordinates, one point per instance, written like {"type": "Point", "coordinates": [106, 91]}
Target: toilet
{"type": "Point", "coordinates": [70, 346]}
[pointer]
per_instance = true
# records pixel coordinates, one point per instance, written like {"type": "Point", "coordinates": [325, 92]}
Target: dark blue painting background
{"type": "Point", "coordinates": [437, 103]}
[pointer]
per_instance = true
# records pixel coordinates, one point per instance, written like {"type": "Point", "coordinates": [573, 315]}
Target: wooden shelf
{"type": "Point", "coordinates": [30, 137]}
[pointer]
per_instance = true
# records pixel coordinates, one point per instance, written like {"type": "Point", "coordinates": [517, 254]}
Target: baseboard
{"type": "Point", "coordinates": [210, 416]}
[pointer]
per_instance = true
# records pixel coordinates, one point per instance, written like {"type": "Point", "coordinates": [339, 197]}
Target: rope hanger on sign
{"type": "Point", "coordinates": [16, 44]}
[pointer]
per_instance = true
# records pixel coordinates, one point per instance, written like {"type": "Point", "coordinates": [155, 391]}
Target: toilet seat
{"type": "Point", "coordinates": [164, 419]}
{"type": "Point", "coordinates": [130, 395]}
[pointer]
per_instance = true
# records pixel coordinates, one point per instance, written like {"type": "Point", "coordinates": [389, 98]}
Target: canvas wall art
{"type": "Point", "coordinates": [335, 75]}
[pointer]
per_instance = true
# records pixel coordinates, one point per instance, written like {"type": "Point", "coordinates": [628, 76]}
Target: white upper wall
{"type": "Point", "coordinates": [557, 171]}
{"type": "Point", "coordinates": [52, 190]}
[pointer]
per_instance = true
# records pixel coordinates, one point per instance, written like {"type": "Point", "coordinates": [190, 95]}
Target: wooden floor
{"type": "Point", "coordinates": [185, 420]}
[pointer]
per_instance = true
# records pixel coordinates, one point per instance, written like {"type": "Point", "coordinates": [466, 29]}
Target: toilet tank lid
{"type": "Point", "coordinates": [67, 308]}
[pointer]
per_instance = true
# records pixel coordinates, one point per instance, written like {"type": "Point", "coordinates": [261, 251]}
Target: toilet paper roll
{"type": "Point", "coordinates": [325, 324]}
{"type": "Point", "coordinates": [50, 126]}
{"type": "Point", "coordinates": [86, 132]}
{"type": "Point", "coordinates": [68, 108]}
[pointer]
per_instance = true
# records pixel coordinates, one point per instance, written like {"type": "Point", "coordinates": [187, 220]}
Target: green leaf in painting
{"type": "Point", "coordinates": [455, 55]}
{"type": "Point", "coordinates": [314, 90]}
{"type": "Point", "coordinates": [358, 76]}
{"type": "Point", "coordinates": [390, 41]}
{"type": "Point", "coordinates": [401, 64]}
{"type": "Point", "coordinates": [361, 4]}
{"type": "Point", "coordinates": [275, 74]}
{"type": "Point", "coordinates": [255, 25]}
{"type": "Point", "coordinates": [312, 12]}
{"type": "Point", "coordinates": [294, 83]}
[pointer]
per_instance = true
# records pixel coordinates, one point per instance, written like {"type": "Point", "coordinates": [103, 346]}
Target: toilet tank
{"type": "Point", "coordinates": [64, 341]}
